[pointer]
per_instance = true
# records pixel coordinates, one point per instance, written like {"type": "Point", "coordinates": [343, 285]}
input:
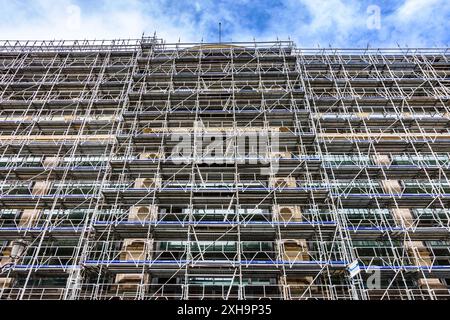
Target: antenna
{"type": "Point", "coordinates": [220, 32]}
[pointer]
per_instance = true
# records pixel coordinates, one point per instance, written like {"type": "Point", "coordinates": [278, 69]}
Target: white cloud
{"type": "Point", "coordinates": [419, 23]}
{"type": "Point", "coordinates": [313, 22]}
{"type": "Point", "coordinates": [413, 9]}
{"type": "Point", "coordinates": [48, 19]}
{"type": "Point", "coordinates": [308, 22]}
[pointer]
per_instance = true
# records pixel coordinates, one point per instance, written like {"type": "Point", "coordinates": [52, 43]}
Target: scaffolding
{"type": "Point", "coordinates": [96, 204]}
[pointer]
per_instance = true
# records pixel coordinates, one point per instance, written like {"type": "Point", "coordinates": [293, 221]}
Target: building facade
{"type": "Point", "coordinates": [137, 169]}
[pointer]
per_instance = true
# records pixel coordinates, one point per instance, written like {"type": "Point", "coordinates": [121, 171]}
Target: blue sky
{"type": "Point", "coordinates": [310, 23]}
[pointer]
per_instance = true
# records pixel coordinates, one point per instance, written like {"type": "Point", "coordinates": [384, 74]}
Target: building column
{"type": "Point", "coordinates": [5, 259]}
{"type": "Point", "coordinates": [417, 250]}
{"type": "Point", "coordinates": [391, 186]}
{"type": "Point", "coordinates": [139, 249]}
{"type": "Point", "coordinates": [295, 250]}
{"type": "Point", "coordinates": [287, 213]}
{"type": "Point", "coordinates": [143, 213]}
{"type": "Point", "coordinates": [403, 218]}
{"type": "Point", "coordinates": [15, 249]}
{"type": "Point", "coordinates": [134, 250]}
{"type": "Point", "coordinates": [381, 159]}
{"type": "Point", "coordinates": [282, 182]}
{"type": "Point", "coordinates": [29, 216]}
